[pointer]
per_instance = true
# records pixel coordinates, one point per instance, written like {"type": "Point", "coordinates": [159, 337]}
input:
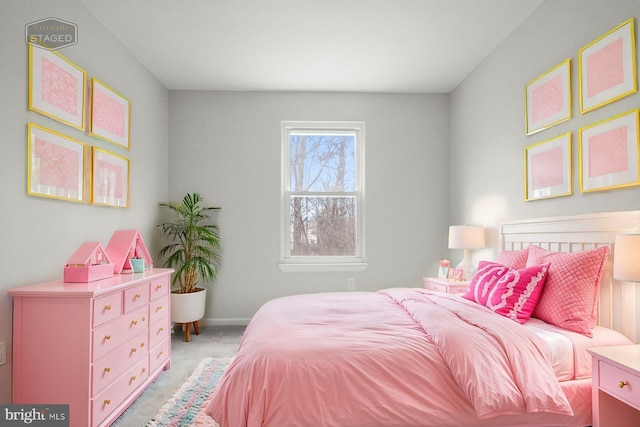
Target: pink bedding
{"type": "Point", "coordinates": [400, 357]}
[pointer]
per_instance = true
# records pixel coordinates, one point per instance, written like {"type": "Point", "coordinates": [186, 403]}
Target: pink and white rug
{"type": "Point", "coordinates": [186, 407]}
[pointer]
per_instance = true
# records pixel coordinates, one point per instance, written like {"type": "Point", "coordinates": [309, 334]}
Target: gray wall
{"type": "Point", "coordinates": [38, 234]}
{"type": "Point", "coordinates": [226, 145]}
{"type": "Point", "coordinates": [487, 117]}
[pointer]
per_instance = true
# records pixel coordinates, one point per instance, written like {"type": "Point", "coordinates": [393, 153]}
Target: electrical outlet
{"type": "Point", "coordinates": [3, 353]}
{"type": "Point", "coordinates": [351, 284]}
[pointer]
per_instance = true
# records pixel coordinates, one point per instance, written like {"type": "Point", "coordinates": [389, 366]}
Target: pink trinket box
{"type": "Point", "coordinates": [89, 263]}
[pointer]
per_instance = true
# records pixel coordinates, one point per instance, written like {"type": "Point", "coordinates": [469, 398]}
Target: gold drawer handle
{"type": "Point", "coordinates": [141, 345]}
{"type": "Point", "coordinates": [160, 354]}
{"type": "Point", "coordinates": [107, 401]}
{"type": "Point", "coordinates": [107, 337]}
{"type": "Point", "coordinates": [137, 296]}
{"type": "Point", "coordinates": [107, 307]}
{"type": "Point", "coordinates": [143, 319]}
{"type": "Point", "coordinates": [158, 308]}
{"type": "Point", "coordinates": [133, 349]}
{"type": "Point", "coordinates": [133, 378]}
{"type": "Point", "coordinates": [158, 287]}
{"type": "Point", "coordinates": [107, 369]}
{"type": "Point", "coordinates": [143, 370]}
{"type": "Point", "coordinates": [134, 322]}
{"type": "Point", "coordinates": [160, 330]}
{"type": "Point", "coordinates": [621, 384]}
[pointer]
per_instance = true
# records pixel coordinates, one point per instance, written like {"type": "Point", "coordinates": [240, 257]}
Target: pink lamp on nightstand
{"type": "Point", "coordinates": [466, 237]}
{"type": "Point", "coordinates": [626, 258]}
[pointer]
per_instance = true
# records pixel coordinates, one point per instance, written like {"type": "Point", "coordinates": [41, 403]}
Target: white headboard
{"type": "Point", "coordinates": [619, 304]}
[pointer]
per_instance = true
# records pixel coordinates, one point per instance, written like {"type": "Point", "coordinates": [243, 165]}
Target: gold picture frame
{"type": "Point", "coordinates": [609, 153]}
{"type": "Point", "coordinates": [547, 99]}
{"type": "Point", "coordinates": [56, 87]}
{"type": "Point", "coordinates": [110, 115]}
{"type": "Point", "coordinates": [547, 168]}
{"type": "Point", "coordinates": [109, 179]}
{"type": "Point", "coordinates": [57, 165]}
{"type": "Point", "coordinates": [607, 68]}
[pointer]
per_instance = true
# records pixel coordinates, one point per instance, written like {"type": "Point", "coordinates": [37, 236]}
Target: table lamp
{"type": "Point", "coordinates": [466, 237]}
{"type": "Point", "coordinates": [626, 258]}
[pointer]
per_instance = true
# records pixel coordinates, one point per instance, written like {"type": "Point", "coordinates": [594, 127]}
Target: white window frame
{"type": "Point", "coordinates": [290, 263]}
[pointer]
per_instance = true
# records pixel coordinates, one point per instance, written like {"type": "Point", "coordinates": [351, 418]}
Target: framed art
{"type": "Point", "coordinates": [548, 99]}
{"type": "Point", "coordinates": [547, 168]}
{"type": "Point", "coordinates": [56, 87]}
{"type": "Point", "coordinates": [56, 167]}
{"type": "Point", "coordinates": [109, 179]}
{"type": "Point", "coordinates": [608, 153]}
{"type": "Point", "coordinates": [110, 115]}
{"type": "Point", "coordinates": [607, 68]}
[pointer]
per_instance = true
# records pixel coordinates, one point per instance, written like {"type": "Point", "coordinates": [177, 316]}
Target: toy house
{"type": "Point", "coordinates": [124, 245]}
{"type": "Point", "coordinates": [89, 263]}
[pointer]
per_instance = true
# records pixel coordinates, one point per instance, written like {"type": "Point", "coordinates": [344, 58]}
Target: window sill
{"type": "Point", "coordinates": [322, 268]}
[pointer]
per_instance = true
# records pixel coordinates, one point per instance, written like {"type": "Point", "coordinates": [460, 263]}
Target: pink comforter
{"type": "Point", "coordinates": [400, 357]}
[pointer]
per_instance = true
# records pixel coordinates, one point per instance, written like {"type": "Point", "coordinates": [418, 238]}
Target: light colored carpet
{"type": "Point", "coordinates": [213, 341]}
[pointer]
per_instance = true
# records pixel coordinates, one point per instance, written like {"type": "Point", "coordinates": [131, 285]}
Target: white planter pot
{"type": "Point", "coordinates": [186, 308]}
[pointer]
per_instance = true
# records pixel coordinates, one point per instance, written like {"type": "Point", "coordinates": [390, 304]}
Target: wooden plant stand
{"type": "Point", "coordinates": [187, 329]}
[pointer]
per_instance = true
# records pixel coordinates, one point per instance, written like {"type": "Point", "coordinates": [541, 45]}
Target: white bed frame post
{"type": "Point", "coordinates": [619, 302]}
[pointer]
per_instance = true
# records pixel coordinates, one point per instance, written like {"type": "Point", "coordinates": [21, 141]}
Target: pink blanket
{"type": "Point", "coordinates": [400, 357]}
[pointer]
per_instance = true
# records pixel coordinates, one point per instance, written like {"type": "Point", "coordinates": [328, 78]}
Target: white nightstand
{"type": "Point", "coordinates": [616, 386]}
{"type": "Point", "coordinates": [448, 286]}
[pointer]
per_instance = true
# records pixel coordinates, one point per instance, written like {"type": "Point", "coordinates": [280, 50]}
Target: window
{"type": "Point", "coordinates": [322, 196]}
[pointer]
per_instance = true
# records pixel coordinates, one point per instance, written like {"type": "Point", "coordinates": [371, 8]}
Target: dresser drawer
{"type": "Point", "coordinates": [611, 378]}
{"type": "Point", "coordinates": [158, 332]}
{"type": "Point", "coordinates": [159, 309]}
{"type": "Point", "coordinates": [113, 365]}
{"type": "Point", "coordinates": [159, 288]}
{"type": "Point", "coordinates": [107, 308]}
{"type": "Point", "coordinates": [136, 297]}
{"type": "Point", "coordinates": [159, 355]}
{"type": "Point", "coordinates": [109, 400]}
{"type": "Point", "coordinates": [110, 336]}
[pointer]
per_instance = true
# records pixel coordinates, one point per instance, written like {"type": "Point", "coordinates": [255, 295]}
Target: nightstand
{"type": "Point", "coordinates": [448, 286]}
{"type": "Point", "coordinates": [616, 386]}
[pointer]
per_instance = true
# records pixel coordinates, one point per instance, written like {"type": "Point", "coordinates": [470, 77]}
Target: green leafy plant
{"type": "Point", "coordinates": [195, 244]}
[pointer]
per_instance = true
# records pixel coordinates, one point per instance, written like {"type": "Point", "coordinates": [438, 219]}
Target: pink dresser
{"type": "Point", "coordinates": [95, 346]}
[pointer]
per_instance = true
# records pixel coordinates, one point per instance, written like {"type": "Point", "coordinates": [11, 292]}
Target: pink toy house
{"type": "Point", "coordinates": [124, 245]}
{"type": "Point", "coordinates": [90, 262]}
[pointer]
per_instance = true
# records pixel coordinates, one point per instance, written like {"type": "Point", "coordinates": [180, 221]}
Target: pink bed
{"type": "Point", "coordinates": [403, 357]}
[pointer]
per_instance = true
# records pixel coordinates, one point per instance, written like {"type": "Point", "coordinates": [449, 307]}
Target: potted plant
{"type": "Point", "coordinates": [193, 250]}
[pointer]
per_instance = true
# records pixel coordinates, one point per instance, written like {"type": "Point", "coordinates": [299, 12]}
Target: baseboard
{"type": "Point", "coordinates": [232, 321]}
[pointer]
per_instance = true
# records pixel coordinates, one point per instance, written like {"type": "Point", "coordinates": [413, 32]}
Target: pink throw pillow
{"type": "Point", "coordinates": [513, 259]}
{"type": "Point", "coordinates": [570, 296]}
{"type": "Point", "coordinates": [484, 280]}
{"type": "Point", "coordinates": [516, 293]}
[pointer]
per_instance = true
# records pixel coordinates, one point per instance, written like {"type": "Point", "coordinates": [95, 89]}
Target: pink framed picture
{"type": "Point", "coordinates": [109, 179]}
{"type": "Point", "coordinates": [547, 168]}
{"type": "Point", "coordinates": [608, 153]}
{"type": "Point", "coordinates": [56, 87]}
{"type": "Point", "coordinates": [607, 68]}
{"type": "Point", "coordinates": [56, 166]}
{"type": "Point", "coordinates": [548, 99]}
{"type": "Point", "coordinates": [110, 115]}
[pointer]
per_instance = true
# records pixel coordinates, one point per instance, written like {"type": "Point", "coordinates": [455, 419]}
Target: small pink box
{"type": "Point", "coordinates": [89, 263]}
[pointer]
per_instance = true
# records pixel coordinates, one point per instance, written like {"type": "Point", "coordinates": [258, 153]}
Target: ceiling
{"type": "Point", "coordinates": [410, 46]}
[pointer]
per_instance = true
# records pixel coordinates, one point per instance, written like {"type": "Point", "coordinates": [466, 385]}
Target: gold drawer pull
{"type": "Point", "coordinates": [160, 354]}
{"type": "Point", "coordinates": [107, 401]}
{"type": "Point", "coordinates": [158, 308]}
{"type": "Point", "coordinates": [160, 330]}
{"type": "Point", "coordinates": [137, 296]}
{"type": "Point", "coordinates": [107, 307]}
{"type": "Point", "coordinates": [143, 370]}
{"type": "Point", "coordinates": [143, 319]}
{"type": "Point", "coordinates": [133, 378]}
{"type": "Point", "coordinates": [134, 322]}
{"type": "Point", "coordinates": [141, 345]}
{"type": "Point", "coordinates": [158, 287]}
{"type": "Point", "coordinates": [133, 349]}
{"type": "Point", "coordinates": [107, 369]}
{"type": "Point", "coordinates": [107, 337]}
{"type": "Point", "coordinates": [621, 384]}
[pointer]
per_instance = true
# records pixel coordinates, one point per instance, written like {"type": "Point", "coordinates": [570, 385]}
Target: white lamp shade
{"type": "Point", "coordinates": [466, 237]}
{"type": "Point", "coordinates": [626, 258]}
